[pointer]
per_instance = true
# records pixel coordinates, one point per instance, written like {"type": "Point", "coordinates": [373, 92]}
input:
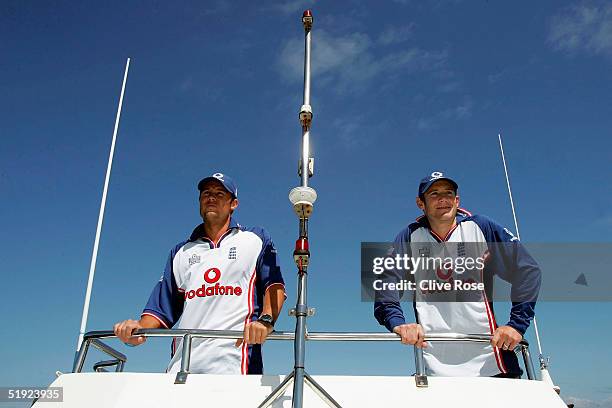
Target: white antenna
{"type": "Point", "coordinates": [543, 363]}
{"type": "Point", "coordinates": [94, 255]}
{"type": "Point", "coordinates": [501, 147]}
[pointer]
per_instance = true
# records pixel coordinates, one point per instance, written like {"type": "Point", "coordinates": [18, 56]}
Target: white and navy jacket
{"type": "Point", "coordinates": [217, 286]}
{"type": "Point", "coordinates": [473, 317]}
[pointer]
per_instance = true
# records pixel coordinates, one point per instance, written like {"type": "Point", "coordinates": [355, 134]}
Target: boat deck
{"type": "Point", "coordinates": [159, 390]}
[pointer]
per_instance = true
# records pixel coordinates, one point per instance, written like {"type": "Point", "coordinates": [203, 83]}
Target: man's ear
{"type": "Point", "coordinates": [234, 204]}
{"type": "Point", "coordinates": [420, 203]}
{"type": "Point", "coordinates": [458, 201]}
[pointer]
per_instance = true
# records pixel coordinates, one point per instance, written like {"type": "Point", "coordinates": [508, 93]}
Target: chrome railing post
{"type": "Point", "coordinates": [80, 357]}
{"type": "Point", "coordinates": [420, 377]}
{"type": "Point", "coordinates": [181, 376]}
{"type": "Point", "coordinates": [528, 363]}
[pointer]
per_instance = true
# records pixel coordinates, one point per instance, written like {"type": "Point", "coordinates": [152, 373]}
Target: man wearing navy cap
{"type": "Point", "coordinates": [444, 221]}
{"type": "Point", "coordinates": [224, 277]}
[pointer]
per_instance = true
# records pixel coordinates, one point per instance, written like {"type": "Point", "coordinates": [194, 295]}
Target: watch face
{"type": "Point", "coordinates": [267, 319]}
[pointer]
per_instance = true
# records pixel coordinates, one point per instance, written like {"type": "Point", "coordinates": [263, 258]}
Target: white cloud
{"type": "Point", "coordinates": [460, 111]}
{"type": "Point", "coordinates": [424, 124]}
{"type": "Point", "coordinates": [348, 131]}
{"type": "Point", "coordinates": [450, 86]}
{"type": "Point", "coordinates": [351, 61]}
{"type": "Point", "coordinates": [357, 132]}
{"type": "Point", "coordinates": [586, 27]}
{"type": "Point", "coordinates": [328, 54]}
{"type": "Point", "coordinates": [394, 35]}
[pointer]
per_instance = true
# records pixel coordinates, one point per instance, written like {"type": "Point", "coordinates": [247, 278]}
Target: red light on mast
{"type": "Point", "coordinates": [301, 245]}
{"type": "Point", "coordinates": [307, 20]}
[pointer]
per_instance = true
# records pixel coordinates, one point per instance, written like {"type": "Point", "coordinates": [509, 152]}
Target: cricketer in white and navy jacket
{"type": "Point", "coordinates": [511, 262]}
{"type": "Point", "coordinates": [217, 286]}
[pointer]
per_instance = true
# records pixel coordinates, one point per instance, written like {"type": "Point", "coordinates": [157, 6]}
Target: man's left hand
{"type": "Point", "coordinates": [506, 338]}
{"type": "Point", "coordinates": [255, 333]}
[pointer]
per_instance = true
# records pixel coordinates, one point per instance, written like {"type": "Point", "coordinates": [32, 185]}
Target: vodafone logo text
{"type": "Point", "coordinates": [211, 287]}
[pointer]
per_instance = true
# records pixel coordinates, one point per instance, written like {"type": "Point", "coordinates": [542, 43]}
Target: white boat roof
{"type": "Point", "coordinates": [159, 390]}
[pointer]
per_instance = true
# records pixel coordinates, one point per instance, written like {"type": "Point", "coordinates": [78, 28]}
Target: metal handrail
{"type": "Point", "coordinates": [93, 338]}
{"type": "Point", "coordinates": [286, 335]}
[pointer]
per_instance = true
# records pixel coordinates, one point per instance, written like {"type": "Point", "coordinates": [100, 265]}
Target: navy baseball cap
{"type": "Point", "coordinates": [224, 179]}
{"type": "Point", "coordinates": [426, 182]}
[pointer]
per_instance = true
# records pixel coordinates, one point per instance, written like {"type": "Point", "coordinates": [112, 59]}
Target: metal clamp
{"type": "Point", "coordinates": [310, 167]}
{"type": "Point", "coordinates": [310, 312]}
{"type": "Point", "coordinates": [306, 115]}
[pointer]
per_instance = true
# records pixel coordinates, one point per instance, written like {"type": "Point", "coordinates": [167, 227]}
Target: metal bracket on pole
{"type": "Point", "coordinates": [310, 167]}
{"type": "Point", "coordinates": [303, 199]}
{"type": "Point", "coordinates": [306, 116]}
{"type": "Point", "coordinates": [421, 381]}
{"type": "Point", "coordinates": [310, 312]}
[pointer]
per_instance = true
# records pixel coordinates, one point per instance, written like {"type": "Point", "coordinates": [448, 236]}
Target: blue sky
{"type": "Point", "coordinates": [400, 89]}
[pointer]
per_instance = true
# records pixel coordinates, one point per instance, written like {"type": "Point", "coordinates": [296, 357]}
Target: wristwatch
{"type": "Point", "coordinates": [266, 319]}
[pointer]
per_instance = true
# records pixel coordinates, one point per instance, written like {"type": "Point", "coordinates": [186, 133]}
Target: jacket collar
{"type": "Point", "coordinates": [198, 231]}
{"type": "Point", "coordinates": [462, 215]}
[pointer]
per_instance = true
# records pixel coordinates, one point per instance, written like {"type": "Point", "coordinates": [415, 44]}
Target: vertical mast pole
{"type": "Point", "coordinates": [94, 255]}
{"type": "Point", "coordinates": [301, 253]}
{"type": "Point", "coordinates": [306, 110]}
{"type": "Point", "coordinates": [302, 198]}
